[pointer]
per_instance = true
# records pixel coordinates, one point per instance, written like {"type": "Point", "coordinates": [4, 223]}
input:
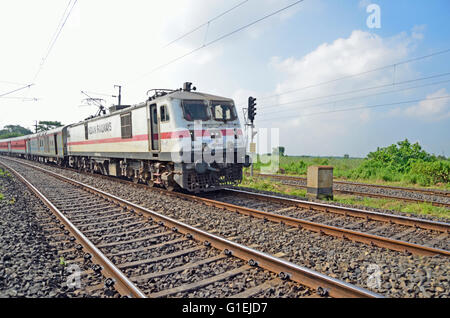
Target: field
{"type": "Point", "coordinates": [401, 164]}
{"type": "Point", "coordinates": [385, 204]}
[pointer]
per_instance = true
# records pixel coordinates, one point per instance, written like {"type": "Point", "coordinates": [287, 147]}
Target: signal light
{"type": "Point", "coordinates": [251, 109]}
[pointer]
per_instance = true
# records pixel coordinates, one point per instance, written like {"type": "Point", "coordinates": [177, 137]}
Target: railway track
{"type": "Point", "coordinates": [398, 233]}
{"type": "Point", "coordinates": [433, 196]}
{"type": "Point", "coordinates": [146, 254]}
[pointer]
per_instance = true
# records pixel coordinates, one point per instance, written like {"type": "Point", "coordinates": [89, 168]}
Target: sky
{"type": "Point", "coordinates": [301, 64]}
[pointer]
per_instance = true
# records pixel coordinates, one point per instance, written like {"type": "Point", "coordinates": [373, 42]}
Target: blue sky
{"type": "Point", "coordinates": [119, 42]}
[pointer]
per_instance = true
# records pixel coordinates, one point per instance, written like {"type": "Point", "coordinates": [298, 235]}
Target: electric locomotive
{"type": "Point", "coordinates": [176, 139]}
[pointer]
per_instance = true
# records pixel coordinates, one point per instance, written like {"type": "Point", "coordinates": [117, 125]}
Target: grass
{"type": "Point", "coordinates": [344, 169]}
{"type": "Point", "coordinates": [271, 186]}
{"type": "Point", "coordinates": [4, 173]}
{"type": "Point", "coordinates": [386, 204]}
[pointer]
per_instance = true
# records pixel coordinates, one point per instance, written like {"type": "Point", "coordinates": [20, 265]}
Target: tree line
{"type": "Point", "coordinates": [11, 131]}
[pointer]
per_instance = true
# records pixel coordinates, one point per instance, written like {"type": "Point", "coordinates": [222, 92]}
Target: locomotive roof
{"type": "Point", "coordinates": [179, 94]}
{"type": "Point", "coordinates": [196, 95]}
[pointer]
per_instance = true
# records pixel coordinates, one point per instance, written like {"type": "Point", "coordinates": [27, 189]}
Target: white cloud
{"type": "Point", "coordinates": [344, 57]}
{"type": "Point", "coordinates": [434, 109]}
{"type": "Point", "coordinates": [114, 42]}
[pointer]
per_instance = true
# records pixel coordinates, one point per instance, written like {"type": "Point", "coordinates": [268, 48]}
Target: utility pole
{"type": "Point", "coordinates": [120, 94]}
{"type": "Point", "coordinates": [36, 127]}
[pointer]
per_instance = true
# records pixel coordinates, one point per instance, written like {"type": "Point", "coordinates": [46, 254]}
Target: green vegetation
{"type": "Point", "coordinates": [386, 204]}
{"type": "Point", "coordinates": [48, 125]}
{"type": "Point", "coordinates": [403, 164]}
{"type": "Point", "coordinates": [11, 131]}
{"type": "Point", "coordinates": [4, 173]}
{"type": "Point", "coordinates": [271, 186]}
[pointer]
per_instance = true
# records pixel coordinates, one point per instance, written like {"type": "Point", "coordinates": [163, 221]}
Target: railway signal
{"type": "Point", "coordinates": [251, 109]}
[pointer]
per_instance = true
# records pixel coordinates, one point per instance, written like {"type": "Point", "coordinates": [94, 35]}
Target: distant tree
{"type": "Point", "coordinates": [48, 125]}
{"type": "Point", "coordinates": [346, 156]}
{"type": "Point", "coordinates": [11, 131]}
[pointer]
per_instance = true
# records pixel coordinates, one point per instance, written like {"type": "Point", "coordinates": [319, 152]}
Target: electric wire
{"type": "Point", "coordinates": [206, 23]}
{"type": "Point", "coordinates": [359, 97]}
{"type": "Point", "coordinates": [356, 90]}
{"type": "Point", "coordinates": [55, 38]}
{"type": "Point", "coordinates": [16, 90]}
{"type": "Point", "coordinates": [364, 107]}
{"type": "Point", "coordinates": [357, 74]}
{"type": "Point", "coordinates": [222, 37]}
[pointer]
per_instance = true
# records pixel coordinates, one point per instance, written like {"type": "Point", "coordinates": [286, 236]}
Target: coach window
{"type": "Point", "coordinates": [164, 114]}
{"type": "Point", "coordinates": [125, 124]}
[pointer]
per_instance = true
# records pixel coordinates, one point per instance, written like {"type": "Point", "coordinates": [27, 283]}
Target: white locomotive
{"type": "Point", "coordinates": [177, 139]}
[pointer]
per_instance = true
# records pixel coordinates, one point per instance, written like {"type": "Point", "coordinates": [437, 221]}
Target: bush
{"type": "Point", "coordinates": [403, 162]}
{"type": "Point", "coordinates": [431, 172]}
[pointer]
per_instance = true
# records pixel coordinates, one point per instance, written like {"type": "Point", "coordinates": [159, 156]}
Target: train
{"type": "Point", "coordinates": [176, 139]}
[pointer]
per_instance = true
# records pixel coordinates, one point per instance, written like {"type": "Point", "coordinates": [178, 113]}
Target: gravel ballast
{"type": "Point", "coordinates": [389, 273]}
{"type": "Point", "coordinates": [30, 265]}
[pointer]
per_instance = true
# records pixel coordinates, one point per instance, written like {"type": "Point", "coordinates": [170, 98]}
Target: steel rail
{"type": "Point", "coordinates": [423, 191]}
{"type": "Point", "coordinates": [346, 211]}
{"type": "Point", "coordinates": [373, 240]}
{"type": "Point", "coordinates": [285, 269]}
{"type": "Point", "coordinates": [122, 284]}
{"type": "Point", "coordinates": [361, 237]}
{"type": "Point", "coordinates": [370, 239]}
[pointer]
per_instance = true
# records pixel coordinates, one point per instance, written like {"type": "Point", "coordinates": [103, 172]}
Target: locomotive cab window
{"type": "Point", "coordinates": [195, 110]}
{"type": "Point", "coordinates": [164, 113]}
{"type": "Point", "coordinates": [224, 111]}
{"type": "Point", "coordinates": [125, 124]}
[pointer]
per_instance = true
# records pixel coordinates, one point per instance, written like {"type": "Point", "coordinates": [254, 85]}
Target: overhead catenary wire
{"type": "Point", "coordinates": [363, 107]}
{"type": "Point", "coordinates": [358, 97]}
{"type": "Point", "coordinates": [16, 90]}
{"type": "Point", "coordinates": [357, 74]}
{"type": "Point", "coordinates": [356, 90]}
{"type": "Point", "coordinates": [24, 99]}
{"type": "Point", "coordinates": [222, 37]}
{"type": "Point", "coordinates": [206, 23]}
{"type": "Point", "coordinates": [55, 37]}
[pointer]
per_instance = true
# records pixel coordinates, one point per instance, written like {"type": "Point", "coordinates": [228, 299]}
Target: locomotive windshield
{"type": "Point", "coordinates": [224, 111]}
{"type": "Point", "coordinates": [195, 110]}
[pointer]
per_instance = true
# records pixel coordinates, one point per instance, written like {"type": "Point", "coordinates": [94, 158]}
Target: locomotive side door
{"type": "Point", "coordinates": [154, 128]}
